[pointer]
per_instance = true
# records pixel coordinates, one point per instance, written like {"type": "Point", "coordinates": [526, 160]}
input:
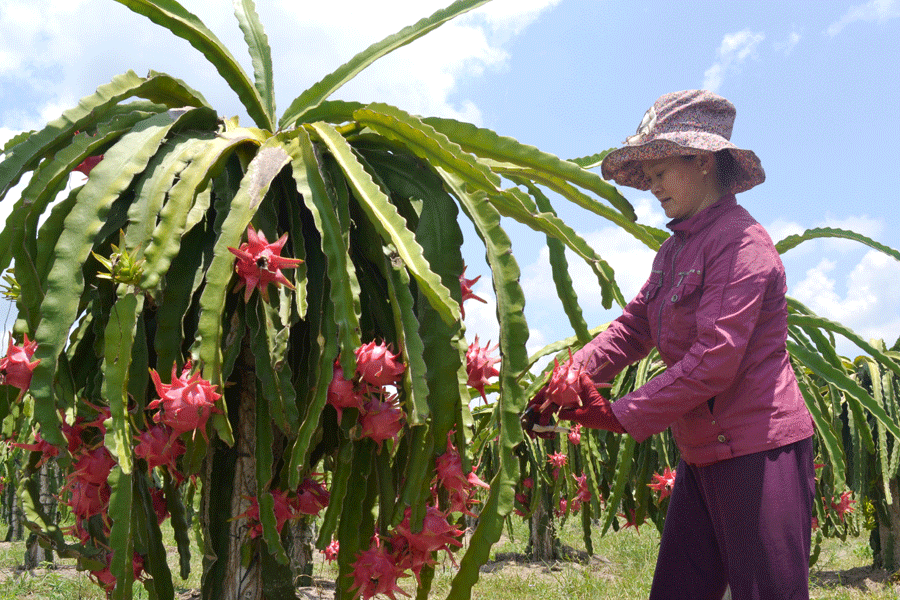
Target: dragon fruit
{"type": "Point", "coordinates": [375, 571]}
{"type": "Point", "coordinates": [564, 387]}
{"type": "Point", "coordinates": [480, 366]}
{"type": "Point", "coordinates": [16, 367]}
{"type": "Point", "coordinates": [186, 403]}
{"type": "Point", "coordinates": [260, 263]}
{"type": "Point", "coordinates": [93, 466]}
{"type": "Point", "coordinates": [376, 365]}
{"type": "Point", "coordinates": [575, 434]}
{"type": "Point", "coordinates": [311, 498]}
{"type": "Point", "coordinates": [87, 499]}
{"type": "Point", "coordinates": [342, 392]}
{"type": "Point", "coordinates": [160, 448]}
{"type": "Point", "coordinates": [663, 483]}
{"type": "Point", "coordinates": [381, 419]}
{"type": "Point", "coordinates": [465, 287]}
{"type": "Point", "coordinates": [283, 513]}
{"type": "Point", "coordinates": [47, 449]}
{"type": "Point", "coordinates": [331, 551]}
{"type": "Point", "coordinates": [459, 486]}
{"type": "Point", "coordinates": [436, 534]}
{"type": "Point", "coordinates": [87, 165]}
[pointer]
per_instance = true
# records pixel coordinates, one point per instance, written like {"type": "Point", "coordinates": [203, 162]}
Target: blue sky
{"type": "Point", "coordinates": [816, 87]}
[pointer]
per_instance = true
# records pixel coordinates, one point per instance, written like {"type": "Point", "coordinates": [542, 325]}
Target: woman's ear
{"type": "Point", "coordinates": [706, 163]}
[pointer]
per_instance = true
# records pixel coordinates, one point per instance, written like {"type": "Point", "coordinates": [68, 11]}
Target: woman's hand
{"type": "Point", "coordinates": [533, 415]}
{"type": "Point", "coordinates": [595, 410]}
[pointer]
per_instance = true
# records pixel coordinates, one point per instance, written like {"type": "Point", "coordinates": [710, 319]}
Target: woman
{"type": "Point", "coordinates": [714, 306]}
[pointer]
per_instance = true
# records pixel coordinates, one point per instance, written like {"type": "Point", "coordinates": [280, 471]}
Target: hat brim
{"type": "Point", "coordinates": [624, 165]}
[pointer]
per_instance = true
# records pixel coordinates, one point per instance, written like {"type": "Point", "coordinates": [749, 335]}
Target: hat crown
{"type": "Point", "coordinates": [697, 111]}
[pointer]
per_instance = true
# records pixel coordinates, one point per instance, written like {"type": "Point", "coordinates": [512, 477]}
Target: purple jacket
{"type": "Point", "coordinates": [714, 307]}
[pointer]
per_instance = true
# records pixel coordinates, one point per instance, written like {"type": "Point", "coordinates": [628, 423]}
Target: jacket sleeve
{"type": "Point", "coordinates": [733, 290]}
{"type": "Point", "coordinates": [626, 340]}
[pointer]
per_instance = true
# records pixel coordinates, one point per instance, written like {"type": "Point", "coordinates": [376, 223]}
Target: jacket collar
{"type": "Point", "coordinates": [704, 218]}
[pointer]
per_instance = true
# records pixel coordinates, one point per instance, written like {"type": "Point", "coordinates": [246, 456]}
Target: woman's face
{"type": "Point", "coordinates": [680, 184]}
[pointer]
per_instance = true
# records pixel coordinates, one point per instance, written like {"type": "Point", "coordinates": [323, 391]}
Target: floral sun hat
{"type": "Point", "coordinates": [678, 124]}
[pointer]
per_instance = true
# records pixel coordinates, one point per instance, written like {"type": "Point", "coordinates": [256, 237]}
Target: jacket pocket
{"type": "Point", "coordinates": [682, 301]}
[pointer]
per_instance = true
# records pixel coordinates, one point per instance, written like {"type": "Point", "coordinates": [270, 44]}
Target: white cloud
{"type": "Point", "coordinates": [60, 51]}
{"type": "Point", "coordinates": [874, 10]}
{"type": "Point", "coordinates": [788, 45]}
{"type": "Point", "coordinates": [734, 50]}
{"type": "Point", "coordinates": [870, 304]}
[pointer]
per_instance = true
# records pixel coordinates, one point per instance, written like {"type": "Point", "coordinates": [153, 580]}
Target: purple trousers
{"type": "Point", "coordinates": [744, 522]}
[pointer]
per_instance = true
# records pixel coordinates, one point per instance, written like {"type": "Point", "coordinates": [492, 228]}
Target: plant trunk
{"type": "Point", "coordinates": [229, 479]}
{"type": "Point", "coordinates": [35, 554]}
{"type": "Point", "coordinates": [301, 536]}
{"type": "Point", "coordinates": [887, 555]}
{"type": "Point", "coordinates": [543, 541]}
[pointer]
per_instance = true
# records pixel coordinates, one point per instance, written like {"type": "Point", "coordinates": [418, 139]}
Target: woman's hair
{"type": "Point", "coordinates": [727, 170]}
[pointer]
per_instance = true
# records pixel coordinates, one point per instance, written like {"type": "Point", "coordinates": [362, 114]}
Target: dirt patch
{"type": "Point", "coordinates": [865, 579]}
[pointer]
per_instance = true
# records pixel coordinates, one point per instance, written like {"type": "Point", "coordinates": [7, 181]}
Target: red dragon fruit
{"type": "Point", "coordinates": [312, 497]}
{"type": "Point", "coordinates": [342, 392]}
{"type": "Point", "coordinates": [186, 403]}
{"type": "Point", "coordinates": [259, 264]}
{"type": "Point", "coordinates": [663, 483]}
{"type": "Point", "coordinates": [436, 534]}
{"type": "Point", "coordinates": [564, 387]}
{"type": "Point", "coordinates": [87, 165]}
{"type": "Point", "coordinates": [93, 466]}
{"type": "Point", "coordinates": [465, 286]}
{"type": "Point", "coordinates": [376, 572]}
{"type": "Point", "coordinates": [480, 366]}
{"type": "Point", "coordinates": [575, 434]}
{"type": "Point", "coordinates": [160, 448]}
{"type": "Point", "coordinates": [331, 551]}
{"type": "Point", "coordinates": [16, 366]}
{"type": "Point", "coordinates": [381, 419]}
{"type": "Point", "coordinates": [283, 513]}
{"type": "Point", "coordinates": [459, 486]}
{"type": "Point", "coordinates": [87, 499]}
{"type": "Point", "coordinates": [40, 445]}
{"type": "Point", "coordinates": [376, 365]}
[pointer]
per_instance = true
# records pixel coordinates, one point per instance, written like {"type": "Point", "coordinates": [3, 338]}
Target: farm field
{"type": "Point", "coordinates": [620, 569]}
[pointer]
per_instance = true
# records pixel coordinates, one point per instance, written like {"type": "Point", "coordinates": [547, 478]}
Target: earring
{"type": "Point", "coordinates": [704, 172]}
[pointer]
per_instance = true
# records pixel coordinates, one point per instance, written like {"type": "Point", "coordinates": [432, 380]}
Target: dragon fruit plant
{"type": "Point", "coordinates": [164, 326]}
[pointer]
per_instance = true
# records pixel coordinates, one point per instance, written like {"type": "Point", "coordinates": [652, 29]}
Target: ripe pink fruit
{"type": "Point", "coordinates": [436, 534]}
{"type": "Point", "coordinates": [331, 551]}
{"type": "Point", "coordinates": [376, 572]}
{"type": "Point", "coordinates": [93, 466]}
{"type": "Point", "coordinates": [87, 499]}
{"type": "Point", "coordinates": [843, 505]}
{"type": "Point", "coordinates": [575, 434]}
{"type": "Point", "coordinates": [564, 387]}
{"type": "Point", "coordinates": [663, 483]}
{"type": "Point", "coordinates": [40, 445]}
{"type": "Point", "coordinates": [342, 392]}
{"type": "Point", "coordinates": [480, 366]}
{"type": "Point", "coordinates": [283, 513]}
{"type": "Point", "coordinates": [16, 366]}
{"type": "Point", "coordinates": [377, 366]}
{"type": "Point", "coordinates": [160, 448]}
{"type": "Point", "coordinates": [88, 164]}
{"type": "Point", "coordinates": [381, 420]}
{"type": "Point", "coordinates": [312, 497]}
{"type": "Point", "coordinates": [259, 264]}
{"type": "Point", "coordinates": [186, 403]}
{"type": "Point", "coordinates": [465, 286]}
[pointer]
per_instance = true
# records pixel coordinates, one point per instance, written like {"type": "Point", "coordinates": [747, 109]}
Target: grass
{"type": "Point", "coordinates": [621, 569]}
